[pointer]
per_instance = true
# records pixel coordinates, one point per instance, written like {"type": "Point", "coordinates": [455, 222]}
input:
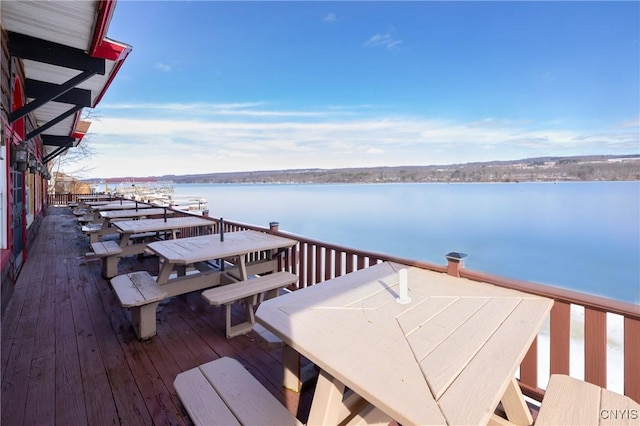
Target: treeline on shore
{"type": "Point", "coordinates": [584, 168]}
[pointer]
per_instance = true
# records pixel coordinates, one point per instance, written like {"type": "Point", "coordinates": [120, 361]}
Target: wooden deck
{"type": "Point", "coordinates": [70, 356]}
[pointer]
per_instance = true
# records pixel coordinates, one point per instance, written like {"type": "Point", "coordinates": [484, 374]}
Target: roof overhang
{"type": "Point", "coordinates": [69, 63]}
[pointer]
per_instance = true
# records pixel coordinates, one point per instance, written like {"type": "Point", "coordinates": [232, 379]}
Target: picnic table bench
{"type": "Point", "coordinates": [569, 401]}
{"type": "Point", "coordinates": [223, 392]}
{"type": "Point", "coordinates": [247, 291]}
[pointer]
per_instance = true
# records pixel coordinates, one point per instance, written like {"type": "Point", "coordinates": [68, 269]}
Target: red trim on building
{"type": "Point", "coordinates": [105, 11]}
{"type": "Point", "coordinates": [102, 47]}
{"type": "Point", "coordinates": [116, 68]}
{"type": "Point", "coordinates": [111, 51]}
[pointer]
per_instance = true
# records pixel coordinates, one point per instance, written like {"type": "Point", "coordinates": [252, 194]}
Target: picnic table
{"type": "Point", "coordinates": [86, 199]}
{"type": "Point", "coordinates": [170, 226]}
{"type": "Point", "coordinates": [121, 205]}
{"type": "Point", "coordinates": [135, 234]}
{"type": "Point", "coordinates": [444, 351]}
{"type": "Point", "coordinates": [94, 197]}
{"type": "Point", "coordinates": [98, 229]}
{"type": "Point", "coordinates": [180, 253]}
{"type": "Point", "coordinates": [187, 266]}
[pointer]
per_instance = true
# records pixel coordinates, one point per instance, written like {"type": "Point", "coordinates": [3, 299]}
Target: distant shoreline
{"type": "Point", "coordinates": [540, 169]}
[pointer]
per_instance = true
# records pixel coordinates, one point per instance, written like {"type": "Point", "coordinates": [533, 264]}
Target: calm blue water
{"type": "Point", "coordinates": [583, 236]}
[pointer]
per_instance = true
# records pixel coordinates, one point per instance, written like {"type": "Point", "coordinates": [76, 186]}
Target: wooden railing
{"type": "Point", "coordinates": [316, 261]}
{"type": "Point", "coordinates": [596, 310]}
{"type": "Point", "coordinates": [65, 199]}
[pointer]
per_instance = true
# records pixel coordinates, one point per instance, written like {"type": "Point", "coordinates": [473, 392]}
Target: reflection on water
{"type": "Point", "coordinates": [584, 236]}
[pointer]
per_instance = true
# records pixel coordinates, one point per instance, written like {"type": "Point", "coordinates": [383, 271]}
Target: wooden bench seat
{"type": "Point", "coordinates": [569, 401]}
{"type": "Point", "coordinates": [223, 392]}
{"type": "Point", "coordinates": [143, 236]}
{"type": "Point", "coordinates": [108, 252]}
{"type": "Point", "coordinates": [140, 292]}
{"type": "Point", "coordinates": [95, 230]}
{"type": "Point", "coordinates": [84, 220]}
{"type": "Point", "coordinates": [248, 291]}
{"type": "Point", "coordinates": [89, 228]}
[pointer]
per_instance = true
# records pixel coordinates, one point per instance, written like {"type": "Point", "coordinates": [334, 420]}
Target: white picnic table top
{"type": "Point", "coordinates": [95, 197]}
{"type": "Point", "coordinates": [184, 251]}
{"type": "Point", "coordinates": [117, 205]}
{"type": "Point", "coordinates": [446, 357]}
{"type": "Point", "coordinates": [156, 225]}
{"type": "Point", "coordinates": [97, 203]}
{"type": "Point", "coordinates": [177, 254]}
{"type": "Point", "coordinates": [131, 213]}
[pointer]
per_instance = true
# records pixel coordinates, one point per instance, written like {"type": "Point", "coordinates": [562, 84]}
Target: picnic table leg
{"type": "Point", "coordinates": [110, 266]}
{"type": "Point", "coordinates": [165, 272]}
{"type": "Point", "coordinates": [181, 270]}
{"type": "Point", "coordinates": [94, 237]}
{"type": "Point", "coordinates": [124, 239]}
{"type": "Point", "coordinates": [291, 375]}
{"type": "Point", "coordinates": [515, 406]}
{"type": "Point", "coordinates": [327, 401]}
{"type": "Point", "coordinates": [143, 319]}
{"type": "Point", "coordinates": [243, 268]}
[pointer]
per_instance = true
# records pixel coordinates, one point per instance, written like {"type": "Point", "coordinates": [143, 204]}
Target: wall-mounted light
{"type": "Point", "coordinates": [32, 165]}
{"type": "Point", "coordinates": [20, 157]}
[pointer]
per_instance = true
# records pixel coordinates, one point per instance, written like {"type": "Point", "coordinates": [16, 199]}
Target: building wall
{"type": "Point", "coordinates": [11, 69]}
{"type": "Point", "coordinates": [6, 273]}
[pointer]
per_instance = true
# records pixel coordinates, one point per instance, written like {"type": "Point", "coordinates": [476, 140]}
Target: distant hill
{"type": "Point", "coordinates": [577, 168]}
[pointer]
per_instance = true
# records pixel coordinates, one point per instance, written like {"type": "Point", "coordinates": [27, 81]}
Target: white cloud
{"type": "Point", "coordinates": [330, 18]}
{"type": "Point", "coordinates": [128, 142]}
{"type": "Point", "coordinates": [212, 109]}
{"type": "Point", "coordinates": [162, 67]}
{"type": "Point", "coordinates": [383, 40]}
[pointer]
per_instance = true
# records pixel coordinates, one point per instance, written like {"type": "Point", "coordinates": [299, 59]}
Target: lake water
{"type": "Point", "coordinates": [583, 236]}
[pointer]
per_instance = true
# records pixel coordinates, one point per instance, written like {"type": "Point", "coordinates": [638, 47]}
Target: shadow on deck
{"type": "Point", "coordinates": [70, 356]}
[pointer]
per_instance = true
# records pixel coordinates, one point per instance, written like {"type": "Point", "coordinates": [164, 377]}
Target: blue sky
{"type": "Point", "coordinates": [227, 86]}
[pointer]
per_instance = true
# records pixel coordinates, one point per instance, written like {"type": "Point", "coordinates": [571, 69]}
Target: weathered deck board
{"type": "Point", "coordinates": [70, 404]}
{"type": "Point", "coordinates": [42, 376]}
{"type": "Point", "coordinates": [70, 356]}
{"type": "Point", "coordinates": [124, 394]}
{"type": "Point", "coordinates": [20, 350]}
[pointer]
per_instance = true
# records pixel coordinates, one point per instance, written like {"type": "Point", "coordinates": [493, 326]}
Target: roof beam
{"type": "Point", "coordinates": [35, 89]}
{"type": "Point", "coordinates": [35, 49]}
{"type": "Point", "coordinates": [57, 152]}
{"type": "Point", "coordinates": [55, 92]}
{"type": "Point", "coordinates": [53, 122]}
{"type": "Point", "coordinates": [53, 140]}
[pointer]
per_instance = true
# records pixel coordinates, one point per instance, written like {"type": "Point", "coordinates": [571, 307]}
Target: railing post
{"type": "Point", "coordinates": [274, 227]}
{"type": "Point", "coordinates": [454, 263]}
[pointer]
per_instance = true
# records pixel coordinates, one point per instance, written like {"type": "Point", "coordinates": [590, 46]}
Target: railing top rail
{"type": "Point", "coordinates": [599, 303]}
